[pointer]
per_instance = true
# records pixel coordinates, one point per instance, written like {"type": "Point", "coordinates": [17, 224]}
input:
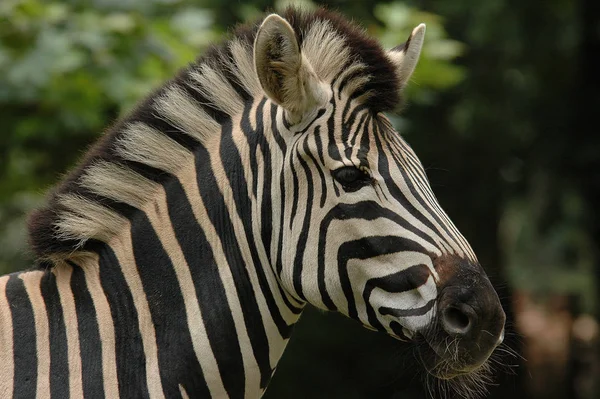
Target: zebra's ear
{"type": "Point", "coordinates": [284, 73]}
{"type": "Point", "coordinates": [406, 56]}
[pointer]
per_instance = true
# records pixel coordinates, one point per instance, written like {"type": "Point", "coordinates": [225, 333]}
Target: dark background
{"type": "Point", "coordinates": [502, 111]}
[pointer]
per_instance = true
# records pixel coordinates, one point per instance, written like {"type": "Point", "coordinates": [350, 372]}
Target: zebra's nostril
{"type": "Point", "coordinates": [457, 321]}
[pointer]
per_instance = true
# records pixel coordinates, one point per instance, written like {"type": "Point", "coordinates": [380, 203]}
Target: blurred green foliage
{"type": "Point", "coordinates": [495, 112]}
{"type": "Point", "coordinates": [67, 70]}
{"type": "Point", "coordinates": [436, 71]}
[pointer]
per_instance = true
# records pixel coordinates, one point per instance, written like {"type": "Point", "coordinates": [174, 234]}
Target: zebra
{"type": "Point", "coordinates": [174, 261]}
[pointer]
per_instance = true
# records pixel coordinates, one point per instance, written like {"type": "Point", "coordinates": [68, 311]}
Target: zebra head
{"type": "Point", "coordinates": [358, 229]}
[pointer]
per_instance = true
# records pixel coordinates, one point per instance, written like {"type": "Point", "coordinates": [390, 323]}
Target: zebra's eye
{"type": "Point", "coordinates": [351, 178]}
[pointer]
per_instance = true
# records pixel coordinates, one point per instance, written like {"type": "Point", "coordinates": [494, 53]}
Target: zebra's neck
{"type": "Point", "coordinates": [176, 210]}
{"type": "Point", "coordinates": [184, 298]}
{"type": "Point", "coordinates": [199, 273]}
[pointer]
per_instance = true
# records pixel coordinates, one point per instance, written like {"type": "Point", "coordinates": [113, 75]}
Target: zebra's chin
{"type": "Point", "coordinates": [446, 373]}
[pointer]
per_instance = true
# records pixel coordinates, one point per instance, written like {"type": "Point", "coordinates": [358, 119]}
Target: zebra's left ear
{"type": "Point", "coordinates": [406, 56]}
{"type": "Point", "coordinates": [284, 73]}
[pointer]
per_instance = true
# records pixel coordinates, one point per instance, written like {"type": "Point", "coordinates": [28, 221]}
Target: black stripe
{"type": "Point", "coordinates": [295, 182]}
{"type": "Point", "coordinates": [24, 343]}
{"type": "Point", "coordinates": [320, 113]}
{"type": "Point", "coordinates": [362, 123]}
{"type": "Point", "coordinates": [233, 166]}
{"type": "Point", "coordinates": [217, 60]}
{"type": "Point", "coordinates": [404, 280]}
{"type": "Point", "coordinates": [266, 221]}
{"type": "Point", "coordinates": [332, 149]}
{"type": "Point", "coordinates": [331, 137]}
{"type": "Point", "coordinates": [398, 330]}
{"type": "Point", "coordinates": [189, 85]}
{"type": "Point", "coordinates": [216, 314]}
{"type": "Point", "coordinates": [149, 172]}
{"type": "Point", "coordinates": [275, 130]}
{"type": "Point", "coordinates": [90, 345]}
{"type": "Point", "coordinates": [253, 139]}
{"type": "Point", "coordinates": [279, 260]}
{"type": "Point", "coordinates": [320, 168]}
{"type": "Point", "coordinates": [321, 156]}
{"type": "Point", "coordinates": [176, 359]}
{"type": "Point", "coordinates": [365, 248]}
{"type": "Point", "coordinates": [283, 148]}
{"type": "Point", "coordinates": [303, 238]}
{"type": "Point", "coordinates": [59, 366]}
{"type": "Point", "coordinates": [365, 142]}
{"type": "Point", "coordinates": [122, 208]}
{"type": "Point", "coordinates": [170, 130]}
{"type": "Point", "coordinates": [379, 188]}
{"type": "Point", "coordinates": [408, 312]}
{"type": "Point", "coordinates": [129, 351]}
{"type": "Point", "coordinates": [219, 326]}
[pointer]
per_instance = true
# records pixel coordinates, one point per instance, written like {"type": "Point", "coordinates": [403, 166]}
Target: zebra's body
{"type": "Point", "coordinates": [176, 259]}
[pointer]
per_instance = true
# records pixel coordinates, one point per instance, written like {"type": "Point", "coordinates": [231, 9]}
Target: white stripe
{"type": "Point", "coordinates": [6, 343]}
{"type": "Point", "coordinates": [184, 394]}
{"type": "Point", "coordinates": [106, 328]}
{"type": "Point", "coordinates": [63, 274]}
{"type": "Point", "coordinates": [31, 281]}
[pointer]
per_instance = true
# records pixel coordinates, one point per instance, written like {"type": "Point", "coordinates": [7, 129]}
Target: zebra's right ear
{"type": "Point", "coordinates": [284, 73]}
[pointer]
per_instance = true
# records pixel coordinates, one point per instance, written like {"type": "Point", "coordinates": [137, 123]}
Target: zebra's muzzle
{"type": "Point", "coordinates": [469, 321]}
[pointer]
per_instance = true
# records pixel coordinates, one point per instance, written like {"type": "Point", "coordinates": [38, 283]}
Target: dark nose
{"type": "Point", "coordinates": [473, 318]}
{"type": "Point", "coordinates": [469, 310]}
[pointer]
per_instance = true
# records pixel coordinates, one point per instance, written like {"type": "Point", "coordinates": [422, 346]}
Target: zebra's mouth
{"type": "Point", "coordinates": [445, 373]}
{"type": "Point", "coordinates": [440, 366]}
{"type": "Point", "coordinates": [442, 360]}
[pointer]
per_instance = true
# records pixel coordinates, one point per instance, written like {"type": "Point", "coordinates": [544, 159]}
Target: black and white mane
{"type": "Point", "coordinates": [212, 89]}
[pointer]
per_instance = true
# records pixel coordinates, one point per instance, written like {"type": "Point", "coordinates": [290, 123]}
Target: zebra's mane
{"type": "Point", "coordinates": [123, 170]}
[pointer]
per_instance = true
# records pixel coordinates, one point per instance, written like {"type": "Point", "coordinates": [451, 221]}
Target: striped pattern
{"type": "Point", "coordinates": [184, 248]}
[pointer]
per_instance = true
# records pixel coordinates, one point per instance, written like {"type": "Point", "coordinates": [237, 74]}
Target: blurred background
{"type": "Point", "coordinates": [501, 112]}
